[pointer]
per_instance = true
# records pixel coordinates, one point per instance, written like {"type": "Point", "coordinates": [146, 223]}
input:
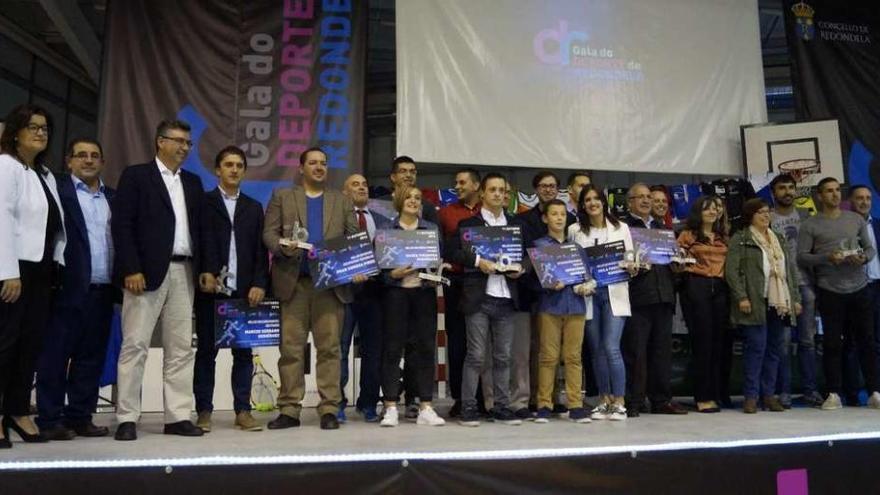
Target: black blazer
{"type": "Point", "coordinates": [143, 223]}
{"type": "Point", "coordinates": [252, 256]}
{"type": "Point", "coordinates": [77, 273]}
{"type": "Point", "coordinates": [473, 281]}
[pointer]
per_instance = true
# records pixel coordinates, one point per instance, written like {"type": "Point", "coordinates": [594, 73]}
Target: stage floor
{"type": "Point", "coordinates": [360, 441]}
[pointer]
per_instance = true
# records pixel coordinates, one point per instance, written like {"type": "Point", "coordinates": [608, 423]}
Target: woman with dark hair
{"type": "Point", "coordinates": [705, 296]}
{"type": "Point", "coordinates": [32, 241]}
{"type": "Point", "coordinates": [764, 299]}
{"type": "Point", "coordinates": [608, 308]}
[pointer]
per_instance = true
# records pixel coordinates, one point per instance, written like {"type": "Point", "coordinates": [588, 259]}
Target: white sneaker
{"type": "Point", "coordinates": [617, 413]}
{"type": "Point", "coordinates": [600, 412]}
{"type": "Point", "coordinates": [389, 417]}
{"type": "Point", "coordinates": [428, 417]}
{"type": "Point", "coordinates": [833, 402]}
{"type": "Point", "coordinates": [874, 400]}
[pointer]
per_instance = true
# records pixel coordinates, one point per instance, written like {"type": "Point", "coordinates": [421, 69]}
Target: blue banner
{"type": "Point", "coordinates": [555, 263]}
{"type": "Point", "coordinates": [397, 248]}
{"type": "Point", "coordinates": [493, 242]}
{"type": "Point", "coordinates": [604, 263]}
{"type": "Point", "coordinates": [238, 325]}
{"type": "Point", "coordinates": [336, 261]}
{"type": "Point", "coordinates": [658, 245]}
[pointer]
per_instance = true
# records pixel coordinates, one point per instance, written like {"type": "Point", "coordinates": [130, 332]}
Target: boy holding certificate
{"type": "Point", "coordinates": [561, 312]}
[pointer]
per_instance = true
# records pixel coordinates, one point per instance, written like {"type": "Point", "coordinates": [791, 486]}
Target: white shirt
{"type": "Point", "coordinates": [182, 243]}
{"type": "Point", "coordinates": [496, 285]}
{"type": "Point", "coordinates": [232, 264]}
{"type": "Point", "coordinates": [873, 265]}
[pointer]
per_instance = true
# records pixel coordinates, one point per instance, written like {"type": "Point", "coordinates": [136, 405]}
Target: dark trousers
{"type": "Point", "coordinates": [647, 353]}
{"type": "Point", "coordinates": [456, 336]}
{"type": "Point", "coordinates": [72, 359]}
{"type": "Point", "coordinates": [366, 314]}
{"type": "Point", "coordinates": [761, 353]}
{"type": "Point", "coordinates": [848, 317]}
{"type": "Point", "coordinates": [708, 311]}
{"type": "Point", "coordinates": [23, 326]}
{"type": "Point", "coordinates": [206, 355]}
{"type": "Point", "coordinates": [410, 316]}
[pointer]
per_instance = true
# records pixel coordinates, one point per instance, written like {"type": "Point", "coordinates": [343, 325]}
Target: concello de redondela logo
{"type": "Point", "coordinates": [803, 15]}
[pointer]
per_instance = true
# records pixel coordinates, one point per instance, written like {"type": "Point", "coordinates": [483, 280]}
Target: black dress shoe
{"type": "Point", "coordinates": [58, 432]}
{"type": "Point", "coordinates": [329, 422]}
{"type": "Point", "coordinates": [183, 428]}
{"type": "Point", "coordinates": [5, 443]}
{"type": "Point", "coordinates": [283, 421]}
{"type": "Point", "coordinates": [89, 430]}
{"type": "Point", "coordinates": [27, 437]}
{"type": "Point", "coordinates": [632, 413]}
{"type": "Point", "coordinates": [668, 408]}
{"type": "Point", "coordinates": [455, 410]}
{"type": "Point", "coordinates": [126, 431]}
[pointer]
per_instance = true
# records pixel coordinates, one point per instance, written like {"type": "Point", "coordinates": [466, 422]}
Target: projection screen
{"type": "Point", "coordinates": [636, 85]}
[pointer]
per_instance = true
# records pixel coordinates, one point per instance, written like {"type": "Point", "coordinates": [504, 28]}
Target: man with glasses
{"type": "Point", "coordinates": [158, 248]}
{"type": "Point", "coordinates": [72, 358]}
{"type": "Point", "coordinates": [647, 335]}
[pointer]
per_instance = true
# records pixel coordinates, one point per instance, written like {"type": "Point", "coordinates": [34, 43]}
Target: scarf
{"type": "Point", "coordinates": [778, 296]}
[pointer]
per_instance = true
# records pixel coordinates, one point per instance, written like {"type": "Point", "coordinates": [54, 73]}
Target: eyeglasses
{"type": "Point", "coordinates": [641, 196]}
{"type": "Point", "coordinates": [35, 129]}
{"type": "Point", "coordinates": [178, 140]}
{"type": "Point", "coordinates": [85, 155]}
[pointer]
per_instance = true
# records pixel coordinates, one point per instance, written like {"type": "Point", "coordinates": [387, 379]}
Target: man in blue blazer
{"type": "Point", "coordinates": [232, 226]}
{"type": "Point", "coordinates": [73, 354]}
{"type": "Point", "coordinates": [156, 234]}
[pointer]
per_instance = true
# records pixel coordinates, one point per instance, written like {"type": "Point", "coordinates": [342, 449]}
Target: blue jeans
{"type": "Point", "coordinates": [603, 334]}
{"type": "Point", "coordinates": [761, 352]}
{"type": "Point", "coordinates": [365, 313]}
{"type": "Point", "coordinates": [489, 331]}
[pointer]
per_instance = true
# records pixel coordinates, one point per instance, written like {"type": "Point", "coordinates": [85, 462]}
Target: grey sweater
{"type": "Point", "coordinates": [819, 236]}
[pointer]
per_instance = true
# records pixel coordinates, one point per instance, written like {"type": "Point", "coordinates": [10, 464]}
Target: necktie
{"type": "Point", "coordinates": [362, 220]}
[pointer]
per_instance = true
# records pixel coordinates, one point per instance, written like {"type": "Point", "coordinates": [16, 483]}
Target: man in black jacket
{"type": "Point", "coordinates": [488, 301]}
{"type": "Point", "coordinates": [158, 249]}
{"type": "Point", "coordinates": [647, 336]}
{"type": "Point", "coordinates": [232, 226]}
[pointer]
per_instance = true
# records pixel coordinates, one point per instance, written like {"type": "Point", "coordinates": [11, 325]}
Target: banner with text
{"type": "Point", "coordinates": [273, 77]}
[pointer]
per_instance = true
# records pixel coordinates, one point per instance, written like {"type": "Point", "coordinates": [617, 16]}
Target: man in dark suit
{"type": "Point", "coordinates": [73, 354]}
{"type": "Point", "coordinates": [158, 243]}
{"type": "Point", "coordinates": [325, 214]}
{"type": "Point", "coordinates": [232, 229]}
{"type": "Point", "coordinates": [365, 312]}
{"type": "Point", "coordinates": [488, 301]}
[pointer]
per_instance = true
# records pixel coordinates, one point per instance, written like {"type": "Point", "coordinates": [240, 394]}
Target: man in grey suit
{"type": "Point", "coordinates": [325, 214]}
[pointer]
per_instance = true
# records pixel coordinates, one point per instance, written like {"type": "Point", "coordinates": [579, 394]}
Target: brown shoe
{"type": "Point", "coordinates": [204, 421]}
{"type": "Point", "coordinates": [750, 406]}
{"type": "Point", "coordinates": [244, 421]}
{"type": "Point", "coordinates": [772, 403]}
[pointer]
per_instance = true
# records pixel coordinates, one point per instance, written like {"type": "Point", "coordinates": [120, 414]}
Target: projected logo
{"type": "Point", "coordinates": [803, 15]}
{"type": "Point", "coordinates": [574, 49]}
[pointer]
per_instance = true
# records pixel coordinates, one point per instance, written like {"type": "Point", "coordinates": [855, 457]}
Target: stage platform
{"type": "Point", "coordinates": [728, 452]}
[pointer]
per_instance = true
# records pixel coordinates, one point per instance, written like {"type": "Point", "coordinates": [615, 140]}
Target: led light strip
{"type": "Point", "coordinates": [424, 456]}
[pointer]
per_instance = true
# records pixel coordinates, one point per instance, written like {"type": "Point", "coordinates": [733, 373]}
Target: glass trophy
{"type": "Point", "coordinates": [435, 274]}
{"type": "Point", "coordinates": [504, 264]}
{"type": "Point", "coordinates": [222, 279]}
{"type": "Point", "coordinates": [589, 285]}
{"type": "Point", "coordinates": [299, 237]}
{"type": "Point", "coordinates": [850, 247]}
{"type": "Point", "coordinates": [636, 259]}
{"type": "Point", "coordinates": [682, 258]}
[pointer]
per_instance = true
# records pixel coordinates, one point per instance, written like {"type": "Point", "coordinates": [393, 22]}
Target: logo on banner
{"type": "Point", "coordinates": [803, 15]}
{"type": "Point", "coordinates": [574, 49]}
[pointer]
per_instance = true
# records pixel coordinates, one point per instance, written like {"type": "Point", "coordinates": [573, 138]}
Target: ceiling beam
{"type": "Point", "coordinates": [78, 33]}
{"type": "Point", "coordinates": [41, 50]}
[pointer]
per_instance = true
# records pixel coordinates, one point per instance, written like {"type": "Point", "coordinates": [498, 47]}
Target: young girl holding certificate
{"type": "Point", "coordinates": [608, 308]}
{"type": "Point", "coordinates": [561, 313]}
{"type": "Point", "coordinates": [410, 315]}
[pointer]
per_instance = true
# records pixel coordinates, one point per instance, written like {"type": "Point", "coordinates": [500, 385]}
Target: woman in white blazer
{"type": "Point", "coordinates": [31, 243]}
{"type": "Point", "coordinates": [608, 308]}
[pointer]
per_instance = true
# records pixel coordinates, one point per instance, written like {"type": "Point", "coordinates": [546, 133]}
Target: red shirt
{"type": "Point", "coordinates": [450, 215]}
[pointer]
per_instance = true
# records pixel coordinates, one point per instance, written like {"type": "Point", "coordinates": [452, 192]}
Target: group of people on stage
{"type": "Point", "coordinates": [73, 247]}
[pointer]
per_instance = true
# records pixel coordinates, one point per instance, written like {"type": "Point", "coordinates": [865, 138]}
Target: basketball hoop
{"type": "Point", "coordinates": [799, 169]}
